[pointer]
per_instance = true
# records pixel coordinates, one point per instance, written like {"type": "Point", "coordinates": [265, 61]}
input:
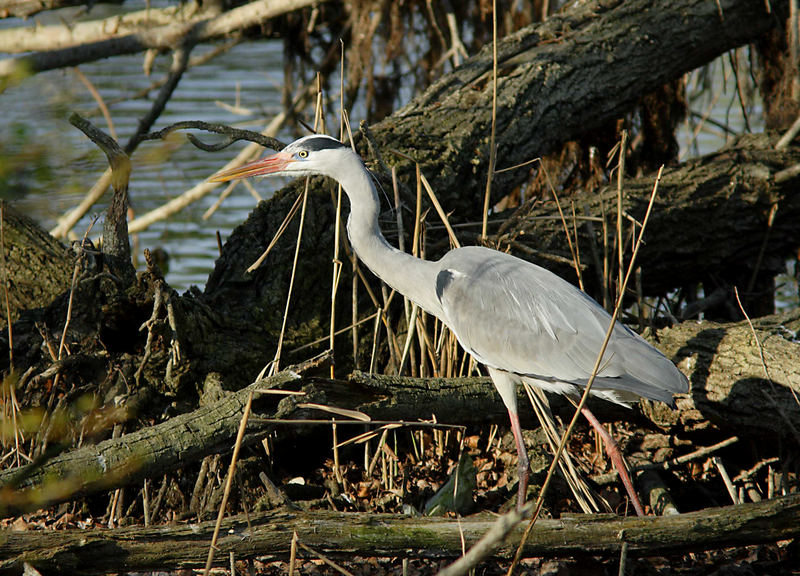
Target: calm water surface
{"type": "Point", "coordinates": [36, 133]}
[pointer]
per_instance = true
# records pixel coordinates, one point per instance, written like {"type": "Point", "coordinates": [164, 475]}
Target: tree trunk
{"type": "Point", "coordinates": [141, 549]}
{"type": "Point", "coordinates": [36, 266]}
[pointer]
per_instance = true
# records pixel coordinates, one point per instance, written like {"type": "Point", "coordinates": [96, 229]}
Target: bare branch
{"type": "Point", "coordinates": [59, 46]}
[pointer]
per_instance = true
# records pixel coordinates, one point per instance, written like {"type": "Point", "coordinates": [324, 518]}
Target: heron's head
{"type": "Point", "coordinates": [314, 154]}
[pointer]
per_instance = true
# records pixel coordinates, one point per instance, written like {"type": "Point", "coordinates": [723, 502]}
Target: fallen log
{"type": "Point", "coordinates": [718, 220]}
{"type": "Point", "coordinates": [743, 378]}
{"type": "Point", "coordinates": [333, 533]}
{"type": "Point", "coordinates": [705, 351]}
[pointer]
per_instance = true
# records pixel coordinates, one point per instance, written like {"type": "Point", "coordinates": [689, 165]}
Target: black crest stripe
{"type": "Point", "coordinates": [316, 144]}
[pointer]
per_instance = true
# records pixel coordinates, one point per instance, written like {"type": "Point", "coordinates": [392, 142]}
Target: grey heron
{"type": "Point", "coordinates": [522, 322]}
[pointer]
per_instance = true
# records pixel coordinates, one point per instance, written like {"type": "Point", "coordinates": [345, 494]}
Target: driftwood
{"type": "Point", "coordinates": [63, 45]}
{"type": "Point", "coordinates": [172, 547]}
{"type": "Point", "coordinates": [706, 351]}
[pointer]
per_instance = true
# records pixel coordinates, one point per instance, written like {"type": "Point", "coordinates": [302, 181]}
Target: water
{"type": "Point", "coordinates": [49, 165]}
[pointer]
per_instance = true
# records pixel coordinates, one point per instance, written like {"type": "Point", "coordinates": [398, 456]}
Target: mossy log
{"type": "Point", "coordinates": [36, 266]}
{"type": "Point", "coordinates": [334, 533]}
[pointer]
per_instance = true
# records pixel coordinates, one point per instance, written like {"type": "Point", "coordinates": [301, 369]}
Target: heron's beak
{"type": "Point", "coordinates": [267, 165]}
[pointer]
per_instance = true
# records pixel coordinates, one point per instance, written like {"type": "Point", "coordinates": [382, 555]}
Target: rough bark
{"type": "Point", "coordinates": [172, 547]}
{"type": "Point", "coordinates": [710, 223]}
{"type": "Point", "coordinates": [27, 8]}
{"type": "Point", "coordinates": [709, 353]}
{"type": "Point", "coordinates": [36, 266]}
{"type": "Point", "coordinates": [743, 380]}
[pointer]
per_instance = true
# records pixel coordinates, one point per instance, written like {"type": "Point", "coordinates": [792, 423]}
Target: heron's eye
{"type": "Point", "coordinates": [303, 153]}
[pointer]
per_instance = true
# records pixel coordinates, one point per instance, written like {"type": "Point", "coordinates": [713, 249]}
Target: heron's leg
{"type": "Point", "coordinates": [523, 464]}
{"type": "Point", "coordinates": [506, 385]}
{"type": "Point", "coordinates": [612, 449]}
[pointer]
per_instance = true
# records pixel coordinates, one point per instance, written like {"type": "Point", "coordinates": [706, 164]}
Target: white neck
{"type": "Point", "coordinates": [412, 277]}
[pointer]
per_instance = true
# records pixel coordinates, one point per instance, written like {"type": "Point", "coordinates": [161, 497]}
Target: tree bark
{"type": "Point", "coordinates": [35, 265]}
{"type": "Point", "coordinates": [739, 375]}
{"type": "Point", "coordinates": [711, 223]}
{"type": "Point", "coordinates": [27, 8]}
{"type": "Point", "coordinates": [171, 547]}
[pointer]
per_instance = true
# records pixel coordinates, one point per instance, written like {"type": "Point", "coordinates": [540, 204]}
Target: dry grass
{"type": "Point", "coordinates": [395, 463]}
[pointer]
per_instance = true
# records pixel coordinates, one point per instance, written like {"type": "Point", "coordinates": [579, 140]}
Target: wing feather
{"type": "Point", "coordinates": [515, 316]}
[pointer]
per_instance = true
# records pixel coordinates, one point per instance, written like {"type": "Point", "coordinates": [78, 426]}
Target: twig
{"type": "Point", "coordinates": [322, 557]}
{"type": "Point", "coordinates": [492, 144]}
{"type": "Point", "coordinates": [159, 297]}
{"type": "Point", "coordinates": [228, 483]}
{"type": "Point", "coordinates": [421, 180]}
{"type": "Point", "coordinates": [99, 99]}
{"type": "Point", "coordinates": [746, 474]}
{"type": "Point", "coordinates": [611, 476]}
{"type": "Point", "coordinates": [726, 479]}
{"type": "Point", "coordinates": [281, 229]}
{"type": "Point", "coordinates": [572, 248]}
{"type": "Point", "coordinates": [146, 501]}
{"type": "Point", "coordinates": [759, 259]}
{"type": "Point", "coordinates": [620, 177]}
{"type": "Point", "coordinates": [501, 528]}
{"type": "Point", "coordinates": [735, 65]}
{"type": "Point", "coordinates": [440, 211]}
{"type": "Point", "coordinates": [202, 189]}
{"type": "Point", "coordinates": [623, 558]}
{"type": "Point", "coordinates": [293, 553]}
{"type": "Point", "coordinates": [71, 300]}
{"type": "Point", "coordinates": [232, 135]}
{"type": "Point", "coordinates": [277, 359]}
{"type": "Point", "coordinates": [790, 135]}
{"type": "Point", "coordinates": [179, 64]}
{"type": "Point", "coordinates": [313, 343]}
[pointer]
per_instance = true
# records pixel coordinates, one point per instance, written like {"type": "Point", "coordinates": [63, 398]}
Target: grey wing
{"type": "Point", "coordinates": [515, 316]}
